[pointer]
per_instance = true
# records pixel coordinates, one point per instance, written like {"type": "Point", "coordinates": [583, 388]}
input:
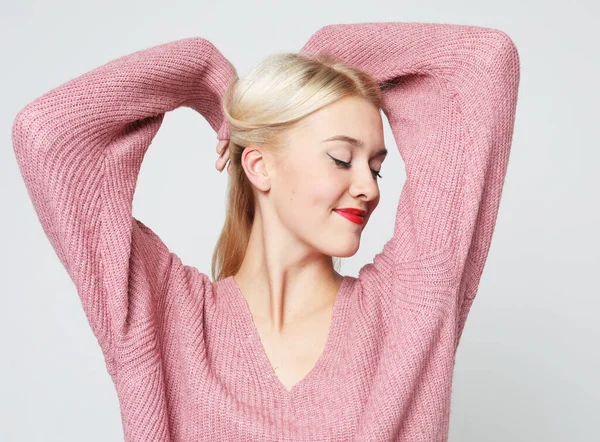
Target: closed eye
{"type": "Point", "coordinates": [346, 165]}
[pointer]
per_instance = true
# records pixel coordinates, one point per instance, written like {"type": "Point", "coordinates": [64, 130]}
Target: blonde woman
{"type": "Point", "coordinates": [279, 345]}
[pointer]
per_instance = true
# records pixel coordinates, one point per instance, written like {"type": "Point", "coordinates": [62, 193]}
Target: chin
{"type": "Point", "coordinates": [344, 251]}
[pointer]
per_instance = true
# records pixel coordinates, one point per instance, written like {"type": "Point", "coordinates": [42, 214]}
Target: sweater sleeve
{"type": "Point", "coordinates": [79, 148]}
{"type": "Point", "coordinates": [450, 94]}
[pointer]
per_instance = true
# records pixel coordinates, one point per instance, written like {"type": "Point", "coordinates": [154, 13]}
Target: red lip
{"type": "Point", "coordinates": [353, 211]}
{"type": "Point", "coordinates": [354, 215]}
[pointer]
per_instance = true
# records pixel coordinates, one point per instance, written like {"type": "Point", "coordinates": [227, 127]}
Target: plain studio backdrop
{"type": "Point", "coordinates": [528, 363]}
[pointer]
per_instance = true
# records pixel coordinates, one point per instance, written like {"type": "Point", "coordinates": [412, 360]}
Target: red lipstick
{"type": "Point", "coordinates": [354, 215]}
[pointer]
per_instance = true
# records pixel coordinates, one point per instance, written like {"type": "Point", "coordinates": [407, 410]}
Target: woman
{"type": "Point", "coordinates": [280, 346]}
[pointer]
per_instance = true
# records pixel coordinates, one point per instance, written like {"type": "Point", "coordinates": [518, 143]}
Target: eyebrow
{"type": "Point", "coordinates": [353, 142]}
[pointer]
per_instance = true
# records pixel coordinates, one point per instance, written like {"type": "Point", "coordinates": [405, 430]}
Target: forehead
{"type": "Point", "coordinates": [350, 116]}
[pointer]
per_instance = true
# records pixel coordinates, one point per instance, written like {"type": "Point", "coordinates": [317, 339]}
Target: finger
{"type": "Point", "coordinates": [222, 160]}
{"type": "Point", "coordinates": [221, 144]}
{"type": "Point", "coordinates": [219, 163]}
{"type": "Point", "coordinates": [225, 154]}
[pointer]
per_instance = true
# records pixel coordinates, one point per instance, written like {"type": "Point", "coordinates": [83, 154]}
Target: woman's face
{"type": "Point", "coordinates": [307, 185]}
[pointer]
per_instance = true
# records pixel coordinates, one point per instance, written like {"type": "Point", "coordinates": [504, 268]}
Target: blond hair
{"type": "Point", "coordinates": [260, 109]}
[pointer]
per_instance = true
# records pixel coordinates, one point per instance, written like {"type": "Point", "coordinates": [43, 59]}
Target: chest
{"type": "Point", "coordinates": [294, 353]}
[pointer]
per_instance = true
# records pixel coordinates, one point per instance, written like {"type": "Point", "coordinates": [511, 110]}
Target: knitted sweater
{"type": "Point", "coordinates": [182, 350]}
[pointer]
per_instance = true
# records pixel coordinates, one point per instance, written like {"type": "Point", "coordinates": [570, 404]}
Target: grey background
{"type": "Point", "coordinates": [527, 366]}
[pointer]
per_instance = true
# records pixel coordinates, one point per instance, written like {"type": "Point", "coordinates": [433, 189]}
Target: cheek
{"type": "Point", "coordinates": [309, 195]}
{"type": "Point", "coordinates": [320, 189]}
{"type": "Point", "coordinates": [327, 191]}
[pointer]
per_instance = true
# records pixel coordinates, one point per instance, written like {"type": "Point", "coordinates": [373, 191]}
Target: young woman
{"type": "Point", "coordinates": [279, 346]}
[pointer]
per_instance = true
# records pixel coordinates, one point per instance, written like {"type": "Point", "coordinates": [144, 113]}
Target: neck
{"type": "Point", "coordinates": [284, 280]}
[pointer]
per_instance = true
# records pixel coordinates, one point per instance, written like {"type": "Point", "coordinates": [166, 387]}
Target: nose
{"type": "Point", "coordinates": [364, 185]}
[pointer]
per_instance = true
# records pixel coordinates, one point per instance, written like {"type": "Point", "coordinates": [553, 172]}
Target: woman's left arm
{"type": "Point", "coordinates": [450, 94]}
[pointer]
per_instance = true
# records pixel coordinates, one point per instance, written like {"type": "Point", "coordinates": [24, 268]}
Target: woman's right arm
{"type": "Point", "coordinates": [80, 147]}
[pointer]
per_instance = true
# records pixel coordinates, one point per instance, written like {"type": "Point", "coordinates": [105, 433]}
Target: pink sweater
{"type": "Point", "coordinates": [183, 353]}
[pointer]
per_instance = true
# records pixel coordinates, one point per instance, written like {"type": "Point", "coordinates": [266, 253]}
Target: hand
{"type": "Point", "coordinates": [223, 151]}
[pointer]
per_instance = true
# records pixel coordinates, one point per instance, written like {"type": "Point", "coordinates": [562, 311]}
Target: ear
{"type": "Point", "coordinates": [255, 165]}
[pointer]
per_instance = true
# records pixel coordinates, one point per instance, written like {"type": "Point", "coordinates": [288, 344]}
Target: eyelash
{"type": "Point", "coordinates": [347, 166]}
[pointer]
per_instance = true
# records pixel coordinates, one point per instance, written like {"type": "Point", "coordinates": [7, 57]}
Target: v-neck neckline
{"type": "Point", "coordinates": [250, 336]}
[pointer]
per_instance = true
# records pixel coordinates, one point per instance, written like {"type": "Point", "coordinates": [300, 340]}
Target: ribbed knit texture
{"type": "Point", "coordinates": [182, 351]}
